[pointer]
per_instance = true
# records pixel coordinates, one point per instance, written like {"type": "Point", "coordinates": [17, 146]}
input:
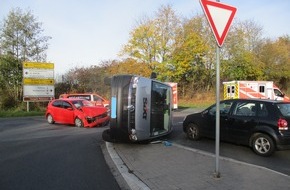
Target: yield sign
{"type": "Point", "coordinates": [220, 17]}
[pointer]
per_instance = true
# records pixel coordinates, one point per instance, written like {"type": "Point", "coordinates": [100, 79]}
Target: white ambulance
{"type": "Point", "coordinates": [253, 89]}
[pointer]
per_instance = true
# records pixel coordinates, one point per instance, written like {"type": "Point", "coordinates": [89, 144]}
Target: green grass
{"type": "Point", "coordinates": [20, 113]}
{"type": "Point", "coordinates": [35, 109]}
{"type": "Point", "coordinates": [195, 103]}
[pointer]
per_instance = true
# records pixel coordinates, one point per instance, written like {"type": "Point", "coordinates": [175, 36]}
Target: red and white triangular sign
{"type": "Point", "coordinates": [220, 17]}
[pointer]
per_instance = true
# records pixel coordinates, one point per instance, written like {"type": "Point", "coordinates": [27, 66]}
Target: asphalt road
{"type": "Point", "coordinates": [279, 161]}
{"type": "Point", "coordinates": [36, 155]}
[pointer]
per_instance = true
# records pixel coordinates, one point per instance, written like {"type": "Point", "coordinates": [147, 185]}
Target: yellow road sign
{"type": "Point", "coordinates": [38, 65]}
{"type": "Point", "coordinates": [30, 81]}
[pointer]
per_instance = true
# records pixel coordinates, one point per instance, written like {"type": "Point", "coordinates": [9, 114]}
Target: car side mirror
{"type": "Point", "coordinates": [69, 109]}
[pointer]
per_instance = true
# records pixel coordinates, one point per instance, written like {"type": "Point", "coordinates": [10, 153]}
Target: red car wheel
{"type": "Point", "coordinates": [79, 122]}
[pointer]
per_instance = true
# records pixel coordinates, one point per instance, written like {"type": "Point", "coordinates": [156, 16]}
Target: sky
{"type": "Point", "coordinates": [86, 32]}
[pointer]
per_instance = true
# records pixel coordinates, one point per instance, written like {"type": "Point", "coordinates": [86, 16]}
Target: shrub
{"type": "Point", "coordinates": [8, 102]}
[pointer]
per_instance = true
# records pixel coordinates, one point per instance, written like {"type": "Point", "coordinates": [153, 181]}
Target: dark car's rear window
{"type": "Point", "coordinates": [284, 109]}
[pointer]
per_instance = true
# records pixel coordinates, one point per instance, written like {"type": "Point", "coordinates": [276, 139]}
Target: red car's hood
{"type": "Point", "coordinates": [94, 111]}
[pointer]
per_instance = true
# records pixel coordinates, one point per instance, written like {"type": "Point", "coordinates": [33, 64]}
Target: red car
{"type": "Point", "coordinates": [78, 112]}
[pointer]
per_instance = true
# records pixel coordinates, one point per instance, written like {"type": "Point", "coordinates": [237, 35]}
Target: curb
{"type": "Point", "coordinates": [133, 181]}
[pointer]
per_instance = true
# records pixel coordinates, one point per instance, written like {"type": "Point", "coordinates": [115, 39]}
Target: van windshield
{"type": "Point", "coordinates": [278, 93]}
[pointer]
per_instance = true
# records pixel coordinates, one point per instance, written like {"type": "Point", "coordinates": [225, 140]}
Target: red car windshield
{"type": "Point", "coordinates": [82, 103]}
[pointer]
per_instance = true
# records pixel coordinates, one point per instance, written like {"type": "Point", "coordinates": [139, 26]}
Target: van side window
{"type": "Point", "coordinates": [233, 89]}
{"type": "Point", "coordinates": [262, 89]}
{"type": "Point", "coordinates": [97, 99]}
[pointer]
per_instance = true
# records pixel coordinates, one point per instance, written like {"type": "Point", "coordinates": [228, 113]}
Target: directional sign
{"type": "Point", "coordinates": [38, 91]}
{"type": "Point", "coordinates": [38, 73]}
{"type": "Point", "coordinates": [38, 65]}
{"type": "Point", "coordinates": [29, 81]}
{"type": "Point", "coordinates": [220, 17]}
{"type": "Point", "coordinates": [38, 81]}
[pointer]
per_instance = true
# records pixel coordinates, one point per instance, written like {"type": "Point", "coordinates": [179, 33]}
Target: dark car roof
{"type": "Point", "coordinates": [255, 99]}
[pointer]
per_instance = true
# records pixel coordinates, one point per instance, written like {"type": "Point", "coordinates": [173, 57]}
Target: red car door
{"type": "Point", "coordinates": [66, 113]}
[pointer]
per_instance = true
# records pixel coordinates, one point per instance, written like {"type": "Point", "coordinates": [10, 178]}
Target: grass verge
{"type": "Point", "coordinates": [18, 113]}
{"type": "Point", "coordinates": [201, 100]}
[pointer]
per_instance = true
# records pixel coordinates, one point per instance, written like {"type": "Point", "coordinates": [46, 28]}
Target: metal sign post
{"type": "Point", "coordinates": [217, 124]}
{"type": "Point", "coordinates": [220, 17]}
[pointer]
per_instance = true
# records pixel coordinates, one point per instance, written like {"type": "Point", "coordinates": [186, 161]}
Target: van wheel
{"type": "Point", "coordinates": [79, 122]}
{"type": "Point", "coordinates": [49, 119]}
{"type": "Point", "coordinates": [192, 131]}
{"type": "Point", "coordinates": [263, 144]}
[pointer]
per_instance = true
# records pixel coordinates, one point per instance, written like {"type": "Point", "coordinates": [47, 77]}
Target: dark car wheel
{"type": "Point", "coordinates": [78, 122]}
{"type": "Point", "coordinates": [50, 119]}
{"type": "Point", "coordinates": [263, 145]}
{"type": "Point", "coordinates": [192, 131]}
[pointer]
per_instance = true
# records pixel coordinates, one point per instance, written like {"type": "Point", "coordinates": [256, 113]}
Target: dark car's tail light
{"type": "Point", "coordinates": [282, 124]}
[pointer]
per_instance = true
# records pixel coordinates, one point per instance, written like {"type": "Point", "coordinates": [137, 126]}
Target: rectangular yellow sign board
{"type": "Point", "coordinates": [30, 81]}
{"type": "Point", "coordinates": [38, 65]}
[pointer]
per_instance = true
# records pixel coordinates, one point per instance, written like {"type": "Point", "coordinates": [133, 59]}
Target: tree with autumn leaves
{"type": "Point", "coordinates": [178, 49]}
{"type": "Point", "coordinates": [183, 50]}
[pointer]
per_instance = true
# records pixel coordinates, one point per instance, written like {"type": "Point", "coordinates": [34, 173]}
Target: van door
{"type": "Point", "coordinates": [269, 94]}
{"type": "Point", "coordinates": [160, 109]}
{"type": "Point", "coordinates": [230, 92]}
